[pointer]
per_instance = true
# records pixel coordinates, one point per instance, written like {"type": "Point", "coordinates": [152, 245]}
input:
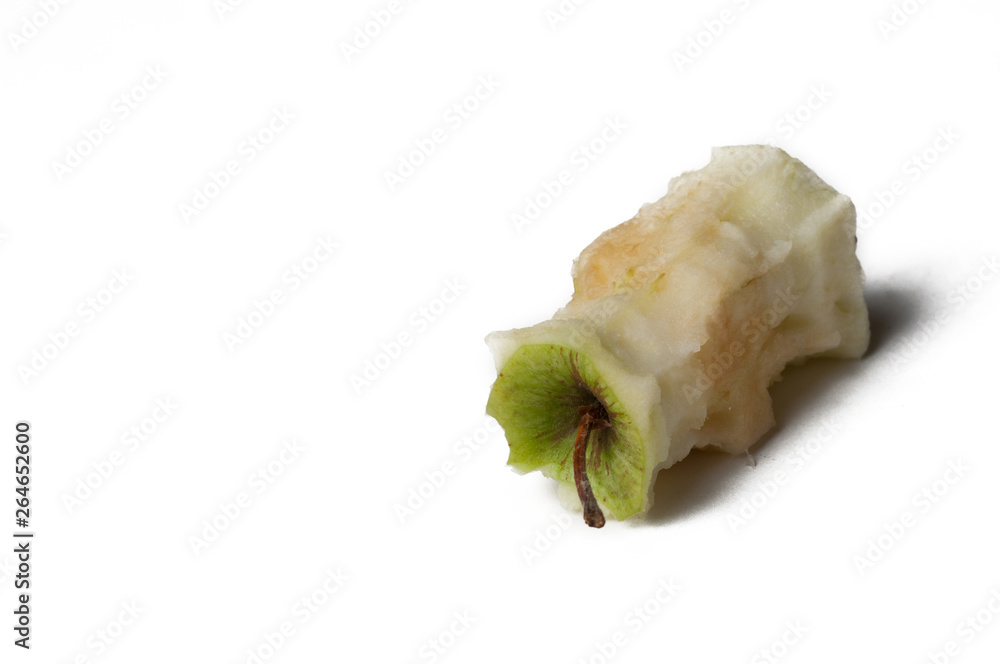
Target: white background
{"type": "Point", "coordinates": [487, 543]}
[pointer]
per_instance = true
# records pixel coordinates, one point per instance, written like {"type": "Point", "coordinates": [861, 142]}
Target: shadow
{"type": "Point", "coordinates": [706, 478]}
{"type": "Point", "coordinates": [892, 311]}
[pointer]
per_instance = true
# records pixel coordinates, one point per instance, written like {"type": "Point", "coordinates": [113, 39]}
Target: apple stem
{"type": "Point", "coordinates": [591, 417]}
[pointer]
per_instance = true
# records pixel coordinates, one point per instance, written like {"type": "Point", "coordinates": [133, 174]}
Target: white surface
{"type": "Point", "coordinates": [916, 403]}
